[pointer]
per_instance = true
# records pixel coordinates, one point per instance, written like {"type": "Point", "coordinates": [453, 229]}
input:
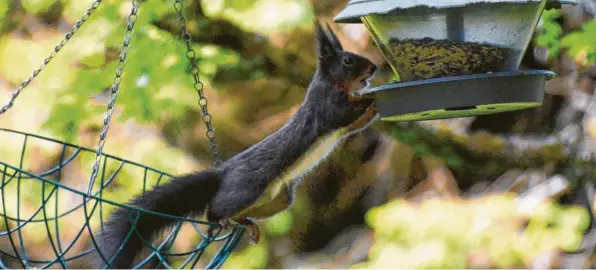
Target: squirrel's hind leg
{"type": "Point", "coordinates": [254, 233]}
{"type": "Point", "coordinates": [223, 223]}
{"type": "Point", "coordinates": [282, 202]}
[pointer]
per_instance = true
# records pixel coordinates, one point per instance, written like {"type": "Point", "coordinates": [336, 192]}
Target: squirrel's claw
{"type": "Point", "coordinates": [224, 224]}
{"type": "Point", "coordinates": [254, 233]}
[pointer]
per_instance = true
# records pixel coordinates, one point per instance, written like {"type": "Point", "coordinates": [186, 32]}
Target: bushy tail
{"type": "Point", "coordinates": [183, 196]}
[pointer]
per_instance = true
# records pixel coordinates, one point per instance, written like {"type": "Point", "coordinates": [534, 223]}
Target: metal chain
{"type": "Point", "coordinates": [46, 61]}
{"type": "Point", "coordinates": [198, 85]}
{"type": "Point", "coordinates": [132, 18]}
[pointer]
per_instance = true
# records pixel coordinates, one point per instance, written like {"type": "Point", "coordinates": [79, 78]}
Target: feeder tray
{"type": "Point", "coordinates": [427, 40]}
{"type": "Point", "coordinates": [460, 96]}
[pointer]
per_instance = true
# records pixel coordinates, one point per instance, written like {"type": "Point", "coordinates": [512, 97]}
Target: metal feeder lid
{"type": "Point", "coordinates": [360, 8]}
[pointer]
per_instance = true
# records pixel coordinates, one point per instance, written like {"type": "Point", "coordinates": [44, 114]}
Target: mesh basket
{"type": "Point", "coordinates": [49, 214]}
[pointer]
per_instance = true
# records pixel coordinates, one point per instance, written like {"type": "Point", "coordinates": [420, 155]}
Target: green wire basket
{"type": "Point", "coordinates": [49, 220]}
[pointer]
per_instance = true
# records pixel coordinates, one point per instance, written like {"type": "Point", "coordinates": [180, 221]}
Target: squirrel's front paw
{"type": "Point", "coordinates": [354, 99]}
{"type": "Point", "coordinates": [341, 87]}
{"type": "Point", "coordinates": [369, 114]}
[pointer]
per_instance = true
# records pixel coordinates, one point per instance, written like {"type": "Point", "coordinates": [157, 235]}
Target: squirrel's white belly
{"type": "Point", "coordinates": [278, 188]}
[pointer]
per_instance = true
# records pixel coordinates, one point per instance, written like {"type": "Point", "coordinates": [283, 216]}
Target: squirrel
{"type": "Point", "coordinates": [260, 181]}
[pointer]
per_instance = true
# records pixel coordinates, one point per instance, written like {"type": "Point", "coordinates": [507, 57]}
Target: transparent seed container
{"type": "Point", "coordinates": [423, 43]}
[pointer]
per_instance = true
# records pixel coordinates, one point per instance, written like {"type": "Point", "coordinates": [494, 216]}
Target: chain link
{"type": "Point", "coordinates": [198, 85]}
{"type": "Point", "coordinates": [46, 61]}
{"type": "Point", "coordinates": [132, 18]}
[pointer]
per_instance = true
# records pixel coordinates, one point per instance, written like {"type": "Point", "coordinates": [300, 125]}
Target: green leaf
{"type": "Point", "coordinates": [95, 59]}
{"type": "Point", "coordinates": [582, 44]}
{"type": "Point", "coordinates": [5, 7]}
{"type": "Point", "coordinates": [280, 224]}
{"type": "Point", "coordinates": [239, 5]}
{"type": "Point", "coordinates": [549, 35]}
{"type": "Point", "coordinates": [37, 6]}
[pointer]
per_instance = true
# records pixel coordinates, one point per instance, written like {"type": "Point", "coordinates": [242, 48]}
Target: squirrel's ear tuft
{"type": "Point", "coordinates": [334, 39]}
{"type": "Point", "coordinates": [325, 47]}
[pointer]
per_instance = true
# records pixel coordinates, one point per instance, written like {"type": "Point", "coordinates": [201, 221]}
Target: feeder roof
{"type": "Point", "coordinates": [359, 8]}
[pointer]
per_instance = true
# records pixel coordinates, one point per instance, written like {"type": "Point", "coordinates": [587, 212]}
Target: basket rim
{"type": "Point", "coordinates": [94, 197]}
{"type": "Point", "coordinates": [83, 148]}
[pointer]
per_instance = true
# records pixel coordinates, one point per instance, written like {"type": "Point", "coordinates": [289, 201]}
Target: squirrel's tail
{"type": "Point", "coordinates": [183, 196]}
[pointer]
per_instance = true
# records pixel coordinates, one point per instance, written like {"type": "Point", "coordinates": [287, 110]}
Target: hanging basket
{"type": "Point", "coordinates": [50, 216]}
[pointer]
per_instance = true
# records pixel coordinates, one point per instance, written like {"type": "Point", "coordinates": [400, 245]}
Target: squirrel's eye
{"type": "Point", "coordinates": [348, 61]}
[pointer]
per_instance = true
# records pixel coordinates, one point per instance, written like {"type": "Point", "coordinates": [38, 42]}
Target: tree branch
{"type": "Point", "coordinates": [484, 156]}
{"type": "Point", "coordinates": [257, 51]}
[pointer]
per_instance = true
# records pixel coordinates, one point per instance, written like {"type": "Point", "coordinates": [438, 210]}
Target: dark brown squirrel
{"type": "Point", "coordinates": [260, 181]}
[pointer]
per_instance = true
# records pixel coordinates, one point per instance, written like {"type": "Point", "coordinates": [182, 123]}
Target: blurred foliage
{"type": "Point", "coordinates": [154, 84]}
{"type": "Point", "coordinates": [69, 95]}
{"type": "Point", "coordinates": [274, 15]}
{"type": "Point", "coordinates": [580, 44]}
{"type": "Point", "coordinates": [450, 233]}
{"type": "Point", "coordinates": [68, 98]}
{"type": "Point", "coordinates": [550, 33]}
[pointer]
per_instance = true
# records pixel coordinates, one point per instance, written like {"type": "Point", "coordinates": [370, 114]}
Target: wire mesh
{"type": "Point", "coordinates": [49, 214]}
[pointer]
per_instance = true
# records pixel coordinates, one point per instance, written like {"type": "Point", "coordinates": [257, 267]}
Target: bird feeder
{"type": "Point", "coordinates": [454, 58]}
